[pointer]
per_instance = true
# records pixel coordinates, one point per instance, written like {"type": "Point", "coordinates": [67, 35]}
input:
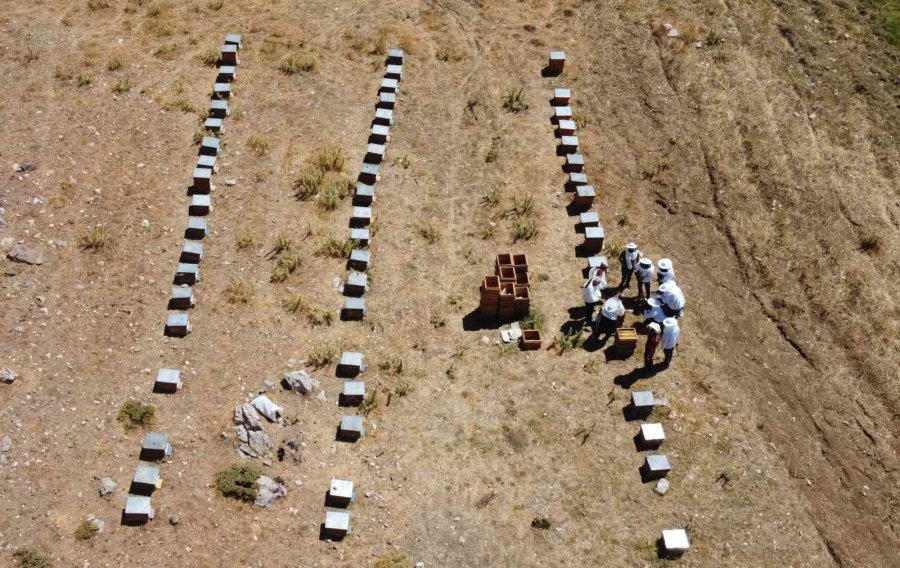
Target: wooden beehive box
{"type": "Point", "coordinates": [531, 340]}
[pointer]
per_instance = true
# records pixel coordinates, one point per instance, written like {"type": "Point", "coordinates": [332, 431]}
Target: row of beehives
{"type": "Point", "coordinates": [379, 135]}
{"type": "Point", "coordinates": [188, 272]}
{"type": "Point", "coordinates": [156, 447]}
{"type": "Point", "coordinates": [674, 542]}
{"type": "Point", "coordinates": [351, 429]}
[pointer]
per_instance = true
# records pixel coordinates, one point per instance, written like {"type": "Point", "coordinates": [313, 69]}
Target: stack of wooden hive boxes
{"type": "Point", "coordinates": [505, 295]}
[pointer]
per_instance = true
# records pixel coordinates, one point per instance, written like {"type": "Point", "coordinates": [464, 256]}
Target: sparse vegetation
{"type": "Point", "coordinates": [514, 100]}
{"type": "Point", "coordinates": [493, 196]}
{"type": "Point", "coordinates": [493, 153]}
{"type": "Point", "coordinates": [297, 63]}
{"type": "Point", "coordinates": [157, 7]}
{"type": "Point", "coordinates": [540, 522]}
{"type": "Point", "coordinates": [285, 265]}
{"type": "Point", "coordinates": [567, 341]}
{"type": "Point", "coordinates": [333, 247]}
{"type": "Point", "coordinates": [392, 560]}
{"type": "Point", "coordinates": [215, 5]}
{"type": "Point", "coordinates": [523, 207]}
{"type": "Point", "coordinates": [429, 233]}
{"type": "Point", "coordinates": [238, 292]}
{"type": "Point", "coordinates": [84, 80]}
{"type": "Point", "coordinates": [392, 364]}
{"type": "Point", "coordinates": [134, 415]}
{"type": "Point", "coordinates": [281, 243]}
{"type": "Point", "coordinates": [210, 57]}
{"type": "Point", "coordinates": [330, 159]}
{"type": "Point", "coordinates": [122, 86]}
{"type": "Point", "coordinates": [308, 183]}
{"type": "Point", "coordinates": [32, 557]}
{"type": "Point", "coordinates": [297, 304]}
{"type": "Point", "coordinates": [259, 145]}
{"type": "Point", "coordinates": [581, 118]}
{"type": "Point", "coordinates": [114, 63]}
{"type": "Point", "coordinates": [321, 356]}
{"type": "Point", "coordinates": [438, 321]}
{"type": "Point", "coordinates": [96, 239]}
{"type": "Point", "coordinates": [98, 4]}
{"type": "Point", "coordinates": [181, 103]}
{"type": "Point", "coordinates": [369, 403]}
{"type": "Point", "coordinates": [86, 530]}
{"type": "Point", "coordinates": [534, 319]}
{"type": "Point", "coordinates": [239, 480]}
{"type": "Point", "coordinates": [245, 241]}
{"type": "Point", "coordinates": [31, 54]}
{"type": "Point", "coordinates": [524, 229]}
{"type": "Point", "coordinates": [870, 244]}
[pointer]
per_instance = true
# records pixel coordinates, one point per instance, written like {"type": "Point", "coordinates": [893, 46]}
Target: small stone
{"type": "Point", "coordinates": [299, 381]}
{"type": "Point", "coordinates": [230, 182]}
{"type": "Point", "coordinates": [174, 520]}
{"type": "Point", "coordinates": [662, 487]}
{"type": "Point", "coordinates": [107, 486]}
{"type": "Point", "coordinates": [21, 253]}
{"type": "Point", "coordinates": [25, 167]}
{"type": "Point", "coordinates": [321, 396]}
{"type": "Point", "coordinates": [7, 376]}
{"type": "Point", "coordinates": [369, 494]}
{"type": "Point", "coordinates": [485, 339]}
{"type": "Point", "coordinates": [145, 223]}
{"type": "Point", "coordinates": [420, 565]}
{"type": "Point", "coordinates": [5, 444]}
{"type": "Point", "coordinates": [270, 385]}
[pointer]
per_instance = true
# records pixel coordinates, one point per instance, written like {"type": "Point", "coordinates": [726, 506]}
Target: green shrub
{"type": "Point", "coordinates": [321, 356]}
{"type": "Point", "coordinates": [32, 557]}
{"type": "Point", "coordinates": [533, 320]}
{"type": "Point", "coordinates": [308, 184]}
{"type": "Point", "coordinates": [330, 159]}
{"type": "Point", "coordinates": [239, 481]}
{"type": "Point", "coordinates": [86, 530]}
{"type": "Point", "coordinates": [333, 247]}
{"type": "Point", "coordinates": [134, 414]}
{"type": "Point", "coordinates": [429, 232]}
{"type": "Point", "coordinates": [293, 64]}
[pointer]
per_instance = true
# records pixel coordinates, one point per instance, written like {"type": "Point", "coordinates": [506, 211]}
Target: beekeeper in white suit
{"type": "Point", "coordinates": [593, 291]}
{"type": "Point", "coordinates": [644, 273]}
{"type": "Point", "coordinates": [610, 317]}
{"type": "Point", "coordinates": [654, 312]}
{"type": "Point", "coordinates": [665, 271]}
{"type": "Point", "coordinates": [628, 259]}
{"type": "Point", "coordinates": [672, 299]}
{"type": "Point", "coordinates": [670, 335]}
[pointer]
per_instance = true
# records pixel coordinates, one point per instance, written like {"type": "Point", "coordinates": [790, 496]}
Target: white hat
{"type": "Point", "coordinates": [645, 262]}
{"type": "Point", "coordinates": [631, 246]}
{"type": "Point", "coordinates": [655, 327]}
{"type": "Point", "coordinates": [653, 303]}
{"type": "Point", "coordinates": [670, 322]}
{"type": "Point", "coordinates": [612, 303]}
{"type": "Point", "coordinates": [664, 265]}
{"type": "Point", "coordinates": [666, 287]}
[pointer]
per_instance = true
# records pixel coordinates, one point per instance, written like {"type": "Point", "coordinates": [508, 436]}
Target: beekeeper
{"type": "Point", "coordinates": [672, 299]}
{"type": "Point", "coordinates": [610, 317]}
{"type": "Point", "coordinates": [628, 260]}
{"type": "Point", "coordinates": [644, 274]}
{"type": "Point", "coordinates": [653, 338]}
{"type": "Point", "coordinates": [654, 313]}
{"type": "Point", "coordinates": [593, 291]}
{"type": "Point", "coordinates": [665, 271]}
{"type": "Point", "coordinates": [670, 334]}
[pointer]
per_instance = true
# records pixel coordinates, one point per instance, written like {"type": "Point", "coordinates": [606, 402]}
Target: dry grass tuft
{"type": "Point", "coordinates": [308, 183]}
{"type": "Point", "coordinates": [259, 145]}
{"type": "Point", "coordinates": [238, 292]}
{"type": "Point", "coordinates": [321, 356]}
{"type": "Point", "coordinates": [429, 233]}
{"type": "Point", "coordinates": [514, 100]}
{"type": "Point", "coordinates": [297, 304]}
{"type": "Point", "coordinates": [96, 239]}
{"type": "Point", "coordinates": [294, 64]}
{"type": "Point", "coordinates": [330, 159]}
{"type": "Point", "coordinates": [333, 247]}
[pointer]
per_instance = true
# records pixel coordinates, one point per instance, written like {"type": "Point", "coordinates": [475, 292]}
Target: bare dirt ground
{"type": "Point", "coordinates": [764, 162]}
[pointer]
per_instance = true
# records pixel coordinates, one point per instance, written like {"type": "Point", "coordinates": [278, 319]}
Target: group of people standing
{"type": "Point", "coordinates": [661, 309]}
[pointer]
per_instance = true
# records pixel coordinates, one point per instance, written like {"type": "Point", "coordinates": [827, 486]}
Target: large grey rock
{"type": "Point", "coordinates": [21, 253]}
{"type": "Point", "coordinates": [107, 486]}
{"type": "Point", "coordinates": [247, 415]}
{"type": "Point", "coordinates": [7, 376]}
{"type": "Point", "coordinates": [268, 491]}
{"type": "Point", "coordinates": [255, 442]}
{"type": "Point", "coordinates": [662, 486]}
{"type": "Point", "coordinates": [299, 381]}
{"type": "Point", "coordinates": [5, 444]}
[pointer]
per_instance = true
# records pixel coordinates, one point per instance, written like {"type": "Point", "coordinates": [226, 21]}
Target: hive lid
{"type": "Point", "coordinates": [675, 539]}
{"type": "Point", "coordinates": [354, 388]}
{"type": "Point", "coordinates": [337, 520]}
{"type": "Point", "coordinates": [341, 488]}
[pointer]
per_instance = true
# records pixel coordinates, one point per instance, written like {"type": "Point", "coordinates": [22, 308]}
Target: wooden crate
{"type": "Point", "coordinates": [626, 338]}
{"type": "Point", "coordinates": [531, 340]}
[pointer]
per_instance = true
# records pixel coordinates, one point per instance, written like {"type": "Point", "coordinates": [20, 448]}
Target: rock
{"type": "Point", "coordinates": [299, 381]}
{"type": "Point", "coordinates": [230, 182]}
{"type": "Point", "coordinates": [268, 491]}
{"type": "Point", "coordinates": [174, 520]}
{"type": "Point", "coordinates": [259, 442]}
{"type": "Point", "coordinates": [248, 416]}
{"type": "Point", "coordinates": [25, 167]}
{"type": "Point", "coordinates": [98, 523]}
{"type": "Point", "coordinates": [662, 487]}
{"type": "Point", "coordinates": [270, 385]}
{"type": "Point", "coordinates": [5, 444]}
{"type": "Point", "coordinates": [145, 223]}
{"type": "Point", "coordinates": [107, 486]}
{"type": "Point", "coordinates": [7, 376]}
{"type": "Point", "coordinates": [420, 565]}
{"type": "Point", "coordinates": [21, 253]}
{"type": "Point", "coordinates": [321, 396]}
{"type": "Point", "coordinates": [7, 243]}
